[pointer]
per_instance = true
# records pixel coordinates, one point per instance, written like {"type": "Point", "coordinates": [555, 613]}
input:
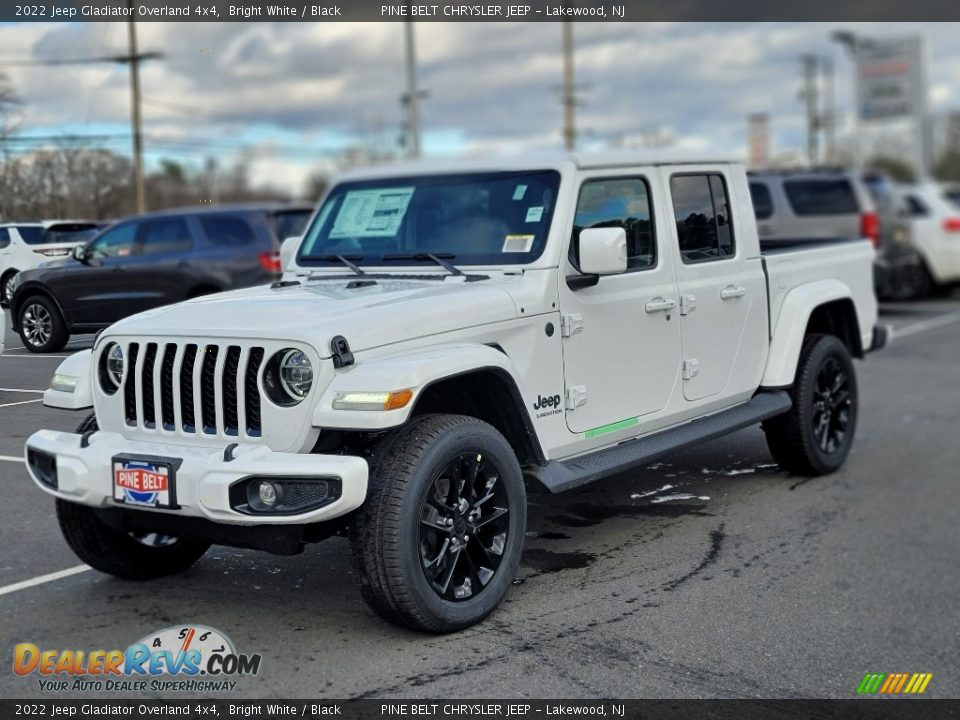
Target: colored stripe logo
{"type": "Point", "coordinates": [894, 683]}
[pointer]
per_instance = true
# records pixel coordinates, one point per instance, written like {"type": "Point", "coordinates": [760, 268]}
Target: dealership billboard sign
{"type": "Point", "coordinates": [891, 82]}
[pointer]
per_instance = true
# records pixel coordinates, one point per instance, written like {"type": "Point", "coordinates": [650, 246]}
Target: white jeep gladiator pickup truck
{"type": "Point", "coordinates": [444, 334]}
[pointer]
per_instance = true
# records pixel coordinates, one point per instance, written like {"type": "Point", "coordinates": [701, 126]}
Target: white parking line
{"type": "Point", "coordinates": [924, 325]}
{"type": "Point", "coordinates": [41, 579]}
{"type": "Point", "coordinates": [30, 356]}
{"type": "Point", "coordinates": [22, 402]}
{"type": "Point", "coordinates": [11, 458]}
{"type": "Point", "coordinates": [23, 390]}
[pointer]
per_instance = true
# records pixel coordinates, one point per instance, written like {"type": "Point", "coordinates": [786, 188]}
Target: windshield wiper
{"type": "Point", "coordinates": [439, 258]}
{"type": "Point", "coordinates": [345, 259]}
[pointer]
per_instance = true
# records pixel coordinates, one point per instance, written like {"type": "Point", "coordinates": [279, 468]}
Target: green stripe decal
{"type": "Point", "coordinates": [604, 429]}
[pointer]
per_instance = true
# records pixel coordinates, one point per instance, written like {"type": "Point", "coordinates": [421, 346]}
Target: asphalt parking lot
{"type": "Point", "coordinates": [711, 574]}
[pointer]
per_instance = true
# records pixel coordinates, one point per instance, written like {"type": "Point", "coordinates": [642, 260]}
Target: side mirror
{"type": "Point", "coordinates": [288, 249]}
{"type": "Point", "coordinates": [603, 251]}
{"type": "Point", "coordinates": [80, 253]}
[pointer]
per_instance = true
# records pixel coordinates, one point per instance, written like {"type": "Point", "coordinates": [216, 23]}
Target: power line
{"type": "Point", "coordinates": [121, 59]}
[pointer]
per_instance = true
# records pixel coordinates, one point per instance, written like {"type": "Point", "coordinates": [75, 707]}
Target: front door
{"type": "Point", "coordinates": [621, 348]}
{"type": "Point", "coordinates": [722, 291]}
{"type": "Point", "coordinates": [92, 291]}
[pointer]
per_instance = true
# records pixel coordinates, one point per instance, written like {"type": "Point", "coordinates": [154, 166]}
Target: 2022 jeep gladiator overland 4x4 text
{"type": "Point", "coordinates": [442, 335]}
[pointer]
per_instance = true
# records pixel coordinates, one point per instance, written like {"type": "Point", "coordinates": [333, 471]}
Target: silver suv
{"type": "Point", "coordinates": [815, 204]}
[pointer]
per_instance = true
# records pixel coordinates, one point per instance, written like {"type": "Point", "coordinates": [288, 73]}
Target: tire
{"type": "Point", "coordinates": [815, 437]}
{"type": "Point", "coordinates": [6, 291]}
{"type": "Point", "coordinates": [41, 326]}
{"type": "Point", "coordinates": [115, 552]}
{"type": "Point", "coordinates": [402, 546]}
{"type": "Point", "coordinates": [920, 283]}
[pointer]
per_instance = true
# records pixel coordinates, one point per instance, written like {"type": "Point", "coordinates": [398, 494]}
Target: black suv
{"type": "Point", "coordinates": [151, 260]}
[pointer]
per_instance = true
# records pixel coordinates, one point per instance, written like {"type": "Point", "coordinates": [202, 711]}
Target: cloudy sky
{"type": "Point", "coordinates": [291, 96]}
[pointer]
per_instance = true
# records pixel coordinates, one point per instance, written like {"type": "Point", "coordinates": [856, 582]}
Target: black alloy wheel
{"type": "Point", "coordinates": [464, 525]}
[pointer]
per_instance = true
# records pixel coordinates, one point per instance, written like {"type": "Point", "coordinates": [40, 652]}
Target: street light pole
{"type": "Point", "coordinates": [852, 44]}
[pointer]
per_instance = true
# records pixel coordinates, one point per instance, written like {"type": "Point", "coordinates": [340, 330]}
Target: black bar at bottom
{"type": "Point", "coordinates": [124, 709]}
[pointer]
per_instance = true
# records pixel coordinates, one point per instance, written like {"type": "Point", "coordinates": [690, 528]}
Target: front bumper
{"type": "Point", "coordinates": [84, 475]}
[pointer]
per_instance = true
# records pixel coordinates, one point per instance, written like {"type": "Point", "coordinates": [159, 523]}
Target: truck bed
{"type": "Point", "coordinates": [792, 263]}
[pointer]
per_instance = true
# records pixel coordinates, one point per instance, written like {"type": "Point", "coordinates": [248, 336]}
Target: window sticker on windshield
{"type": "Point", "coordinates": [372, 213]}
{"type": "Point", "coordinates": [517, 243]}
{"type": "Point", "coordinates": [534, 214]}
{"type": "Point", "coordinates": [519, 192]}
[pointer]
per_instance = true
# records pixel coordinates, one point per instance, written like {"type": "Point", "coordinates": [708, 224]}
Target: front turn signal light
{"type": "Point", "coordinates": [377, 401]}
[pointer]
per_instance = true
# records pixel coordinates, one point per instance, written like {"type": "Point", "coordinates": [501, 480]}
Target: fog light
{"type": "Point", "coordinates": [283, 495]}
{"type": "Point", "coordinates": [268, 494]}
{"type": "Point", "coordinates": [263, 495]}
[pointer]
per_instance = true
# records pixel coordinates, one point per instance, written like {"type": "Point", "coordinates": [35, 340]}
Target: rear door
{"type": "Point", "coordinates": [721, 283]}
{"type": "Point", "coordinates": [155, 274]}
{"type": "Point", "coordinates": [621, 343]}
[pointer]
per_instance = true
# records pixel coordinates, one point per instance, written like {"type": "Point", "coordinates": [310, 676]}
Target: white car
{"type": "Point", "coordinates": [921, 248]}
{"type": "Point", "coordinates": [26, 245]}
{"type": "Point", "coordinates": [444, 333]}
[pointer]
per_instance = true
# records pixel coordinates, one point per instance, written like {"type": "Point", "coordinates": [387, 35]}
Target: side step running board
{"type": "Point", "coordinates": [560, 475]}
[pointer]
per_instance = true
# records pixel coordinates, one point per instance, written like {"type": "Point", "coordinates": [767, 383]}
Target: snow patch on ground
{"type": "Point", "coordinates": [637, 496]}
{"type": "Point", "coordinates": [679, 496]}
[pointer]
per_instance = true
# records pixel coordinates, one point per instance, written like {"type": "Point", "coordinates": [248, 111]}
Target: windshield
{"type": "Point", "coordinates": [476, 219]}
{"type": "Point", "coordinates": [62, 233]}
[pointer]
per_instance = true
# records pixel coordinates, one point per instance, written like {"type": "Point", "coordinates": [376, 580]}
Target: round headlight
{"type": "Point", "coordinates": [111, 368]}
{"type": "Point", "coordinates": [288, 377]}
{"type": "Point", "coordinates": [296, 374]}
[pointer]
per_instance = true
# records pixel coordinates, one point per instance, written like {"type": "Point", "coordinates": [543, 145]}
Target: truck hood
{"type": "Point", "coordinates": [314, 312]}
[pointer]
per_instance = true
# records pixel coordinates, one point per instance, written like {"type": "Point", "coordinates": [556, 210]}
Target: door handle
{"type": "Point", "coordinates": [732, 291]}
{"type": "Point", "coordinates": [658, 304]}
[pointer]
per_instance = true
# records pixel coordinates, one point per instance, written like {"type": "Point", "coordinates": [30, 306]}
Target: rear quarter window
{"type": "Point", "coordinates": [821, 197]}
{"type": "Point", "coordinates": [4, 238]}
{"type": "Point", "coordinates": [225, 231]}
{"type": "Point", "coordinates": [31, 234]}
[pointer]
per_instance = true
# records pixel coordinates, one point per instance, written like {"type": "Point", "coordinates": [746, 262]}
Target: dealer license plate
{"type": "Point", "coordinates": [144, 482]}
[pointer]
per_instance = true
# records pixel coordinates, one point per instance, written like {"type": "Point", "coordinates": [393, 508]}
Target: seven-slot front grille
{"type": "Point", "coordinates": [204, 389]}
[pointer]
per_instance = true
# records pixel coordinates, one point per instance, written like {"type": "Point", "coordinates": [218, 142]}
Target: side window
{"type": "Point", "coordinates": [702, 214]}
{"type": "Point", "coordinates": [31, 234]}
{"type": "Point", "coordinates": [4, 238]}
{"type": "Point", "coordinates": [762, 202]}
{"type": "Point", "coordinates": [115, 242]}
{"type": "Point", "coordinates": [915, 207]}
{"type": "Point", "coordinates": [618, 202]}
{"type": "Point", "coordinates": [169, 235]}
{"type": "Point", "coordinates": [228, 231]}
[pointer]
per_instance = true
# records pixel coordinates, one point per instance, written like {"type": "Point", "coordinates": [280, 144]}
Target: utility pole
{"type": "Point", "coordinates": [569, 97]}
{"type": "Point", "coordinates": [412, 97]}
{"type": "Point", "coordinates": [829, 119]}
{"type": "Point", "coordinates": [139, 194]}
{"type": "Point", "coordinates": [811, 100]}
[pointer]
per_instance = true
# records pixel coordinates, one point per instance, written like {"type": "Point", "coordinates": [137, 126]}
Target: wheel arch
{"type": "Point", "coordinates": [475, 380]}
{"type": "Point", "coordinates": [826, 308]}
{"type": "Point", "coordinates": [24, 293]}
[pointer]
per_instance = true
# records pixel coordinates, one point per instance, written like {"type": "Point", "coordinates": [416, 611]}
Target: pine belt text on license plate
{"type": "Point", "coordinates": [142, 482]}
